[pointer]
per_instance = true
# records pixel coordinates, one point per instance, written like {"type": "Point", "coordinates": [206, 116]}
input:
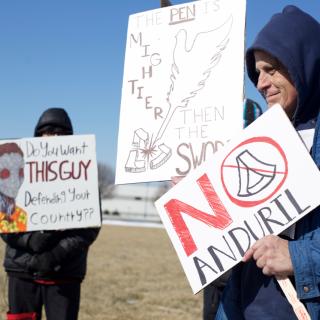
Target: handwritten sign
{"type": "Point", "coordinates": [254, 186]}
{"type": "Point", "coordinates": [180, 63]}
{"type": "Point", "coordinates": [48, 183]}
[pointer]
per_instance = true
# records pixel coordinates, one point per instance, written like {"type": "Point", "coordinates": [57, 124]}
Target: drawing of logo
{"type": "Point", "coordinates": [254, 171]}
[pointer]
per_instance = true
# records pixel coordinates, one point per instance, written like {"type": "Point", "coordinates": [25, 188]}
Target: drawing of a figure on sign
{"type": "Point", "coordinates": [191, 66]}
{"type": "Point", "coordinates": [261, 167]}
{"type": "Point", "coordinates": [12, 218]}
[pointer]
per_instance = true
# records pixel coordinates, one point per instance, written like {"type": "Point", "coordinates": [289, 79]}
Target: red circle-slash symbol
{"type": "Point", "coordinates": [254, 171]}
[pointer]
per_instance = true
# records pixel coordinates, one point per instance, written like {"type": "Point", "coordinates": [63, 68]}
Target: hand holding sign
{"type": "Point", "coordinates": [272, 256]}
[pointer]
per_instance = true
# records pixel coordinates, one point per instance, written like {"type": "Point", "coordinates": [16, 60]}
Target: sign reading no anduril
{"type": "Point", "coordinates": [253, 187]}
{"type": "Point", "coordinates": [48, 184]}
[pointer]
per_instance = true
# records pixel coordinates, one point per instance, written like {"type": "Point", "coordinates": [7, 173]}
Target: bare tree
{"type": "Point", "coordinates": [105, 177]}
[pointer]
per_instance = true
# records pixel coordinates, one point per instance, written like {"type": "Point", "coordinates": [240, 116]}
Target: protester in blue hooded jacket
{"type": "Point", "coordinates": [284, 65]}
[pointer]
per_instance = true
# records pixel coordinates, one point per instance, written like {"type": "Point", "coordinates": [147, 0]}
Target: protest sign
{"type": "Point", "coordinates": [260, 183]}
{"type": "Point", "coordinates": [180, 64]}
{"type": "Point", "coordinates": [48, 183]}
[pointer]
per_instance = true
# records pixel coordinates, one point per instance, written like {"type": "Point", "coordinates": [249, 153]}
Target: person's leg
{"type": "Point", "coordinates": [62, 301]}
{"type": "Point", "coordinates": [211, 297]}
{"type": "Point", "coordinates": [24, 298]}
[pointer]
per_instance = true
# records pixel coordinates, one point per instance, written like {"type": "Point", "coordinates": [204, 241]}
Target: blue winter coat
{"type": "Point", "coordinates": [292, 37]}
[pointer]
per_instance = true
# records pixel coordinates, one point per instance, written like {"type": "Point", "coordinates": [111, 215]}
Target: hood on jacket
{"type": "Point", "coordinates": [54, 120]}
{"type": "Point", "coordinates": [293, 37]}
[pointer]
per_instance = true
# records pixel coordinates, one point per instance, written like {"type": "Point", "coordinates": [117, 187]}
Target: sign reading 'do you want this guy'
{"type": "Point", "coordinates": [180, 63]}
{"type": "Point", "coordinates": [259, 184]}
{"type": "Point", "coordinates": [48, 183]}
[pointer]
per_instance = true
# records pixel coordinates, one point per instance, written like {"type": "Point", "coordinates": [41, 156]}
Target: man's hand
{"type": "Point", "coordinates": [43, 262]}
{"type": "Point", "coordinates": [272, 256]}
{"type": "Point", "coordinates": [42, 241]}
{"type": "Point", "coordinates": [50, 260]}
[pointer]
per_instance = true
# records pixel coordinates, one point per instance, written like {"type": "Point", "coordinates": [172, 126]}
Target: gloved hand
{"type": "Point", "coordinates": [48, 261]}
{"type": "Point", "coordinates": [44, 262]}
{"type": "Point", "coordinates": [42, 241]}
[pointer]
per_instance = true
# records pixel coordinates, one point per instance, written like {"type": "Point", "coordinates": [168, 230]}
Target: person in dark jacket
{"type": "Point", "coordinates": [212, 293]}
{"type": "Point", "coordinates": [284, 65]}
{"type": "Point", "coordinates": [45, 269]}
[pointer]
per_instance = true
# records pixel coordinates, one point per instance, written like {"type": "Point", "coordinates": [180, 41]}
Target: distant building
{"type": "Point", "coordinates": [134, 202]}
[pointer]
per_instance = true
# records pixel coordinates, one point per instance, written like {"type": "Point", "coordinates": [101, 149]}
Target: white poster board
{"type": "Point", "coordinates": [52, 182]}
{"type": "Point", "coordinates": [181, 63]}
{"type": "Point", "coordinates": [260, 183]}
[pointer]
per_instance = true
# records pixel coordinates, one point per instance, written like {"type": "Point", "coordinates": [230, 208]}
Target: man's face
{"type": "Point", "coordinates": [274, 83]}
{"type": "Point", "coordinates": [49, 135]}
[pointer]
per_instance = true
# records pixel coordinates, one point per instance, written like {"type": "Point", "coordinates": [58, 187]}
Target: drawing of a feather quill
{"type": "Point", "coordinates": [192, 66]}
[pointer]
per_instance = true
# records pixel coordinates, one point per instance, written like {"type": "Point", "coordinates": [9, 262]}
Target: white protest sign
{"type": "Point", "coordinates": [260, 183]}
{"type": "Point", "coordinates": [48, 183]}
{"type": "Point", "coordinates": [181, 63]}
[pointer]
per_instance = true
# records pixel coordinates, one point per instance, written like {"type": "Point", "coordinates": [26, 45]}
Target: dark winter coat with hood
{"type": "Point", "coordinates": [50, 255]}
{"type": "Point", "coordinates": [293, 37]}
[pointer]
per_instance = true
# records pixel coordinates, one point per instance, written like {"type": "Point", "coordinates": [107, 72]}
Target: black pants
{"type": "Point", "coordinates": [60, 301]}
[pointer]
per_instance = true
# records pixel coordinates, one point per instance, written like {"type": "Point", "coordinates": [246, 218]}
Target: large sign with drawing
{"type": "Point", "coordinates": [260, 183]}
{"type": "Point", "coordinates": [181, 63]}
{"type": "Point", "coordinates": [48, 183]}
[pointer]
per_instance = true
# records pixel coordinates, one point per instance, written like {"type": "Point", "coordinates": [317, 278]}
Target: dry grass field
{"type": "Point", "coordinates": [133, 274]}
